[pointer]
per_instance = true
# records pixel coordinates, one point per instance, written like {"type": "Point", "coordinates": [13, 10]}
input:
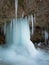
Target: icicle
{"type": "Point", "coordinates": [16, 7]}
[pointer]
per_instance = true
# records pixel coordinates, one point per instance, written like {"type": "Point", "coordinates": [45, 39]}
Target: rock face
{"type": "Point", "coordinates": [38, 7]}
{"type": "Point", "coordinates": [7, 9]}
{"type": "Point", "coordinates": [26, 7]}
{"type": "Point", "coordinates": [42, 12]}
{"type": "Point", "coordinates": [2, 36]}
{"type": "Point", "coordinates": [42, 17]}
{"type": "Point", "coordinates": [37, 35]}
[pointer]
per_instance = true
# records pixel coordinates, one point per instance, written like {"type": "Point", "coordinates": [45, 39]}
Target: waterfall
{"type": "Point", "coordinates": [21, 37]}
{"type": "Point", "coordinates": [8, 31]}
{"type": "Point", "coordinates": [21, 51]}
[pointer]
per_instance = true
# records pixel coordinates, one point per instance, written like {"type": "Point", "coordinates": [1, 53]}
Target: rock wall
{"type": "Point", "coordinates": [42, 12]}
{"type": "Point", "coordinates": [7, 9]}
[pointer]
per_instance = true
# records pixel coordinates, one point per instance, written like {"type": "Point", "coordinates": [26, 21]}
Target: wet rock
{"type": "Point", "coordinates": [2, 39]}
{"type": "Point", "coordinates": [37, 36]}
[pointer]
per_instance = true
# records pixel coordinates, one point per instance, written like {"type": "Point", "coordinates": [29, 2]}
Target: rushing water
{"type": "Point", "coordinates": [20, 50]}
{"type": "Point", "coordinates": [21, 37]}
